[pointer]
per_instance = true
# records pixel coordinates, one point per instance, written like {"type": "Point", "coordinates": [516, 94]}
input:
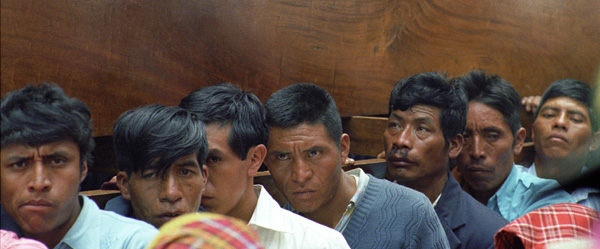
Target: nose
{"type": "Point", "coordinates": [561, 121]}
{"type": "Point", "coordinates": [403, 140]}
{"type": "Point", "coordinates": [301, 171]}
{"type": "Point", "coordinates": [170, 189]}
{"type": "Point", "coordinates": [41, 180]}
{"type": "Point", "coordinates": [475, 147]}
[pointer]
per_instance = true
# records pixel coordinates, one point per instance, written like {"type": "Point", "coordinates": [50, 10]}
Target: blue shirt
{"type": "Point", "coordinates": [95, 228]}
{"type": "Point", "coordinates": [587, 196]}
{"type": "Point", "coordinates": [522, 193]}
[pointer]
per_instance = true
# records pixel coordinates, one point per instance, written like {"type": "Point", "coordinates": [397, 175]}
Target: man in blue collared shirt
{"type": "Point", "coordinates": [493, 136]}
{"type": "Point", "coordinates": [46, 146]}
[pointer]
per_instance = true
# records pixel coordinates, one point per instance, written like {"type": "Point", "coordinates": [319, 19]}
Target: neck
{"type": "Point", "coordinates": [245, 207]}
{"type": "Point", "coordinates": [330, 214]}
{"type": "Point", "coordinates": [52, 238]}
{"type": "Point", "coordinates": [482, 196]}
{"type": "Point", "coordinates": [432, 188]}
{"type": "Point", "coordinates": [562, 170]}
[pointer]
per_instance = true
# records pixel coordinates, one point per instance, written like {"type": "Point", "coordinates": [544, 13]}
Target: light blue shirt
{"type": "Point", "coordinates": [522, 193]}
{"type": "Point", "coordinates": [99, 229]}
{"type": "Point", "coordinates": [587, 196]}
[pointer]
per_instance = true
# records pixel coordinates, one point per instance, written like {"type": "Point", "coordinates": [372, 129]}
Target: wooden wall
{"type": "Point", "coordinates": [116, 55]}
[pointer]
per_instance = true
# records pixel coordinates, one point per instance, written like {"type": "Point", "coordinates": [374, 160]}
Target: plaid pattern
{"type": "Point", "coordinates": [547, 225]}
{"type": "Point", "coordinates": [205, 230]}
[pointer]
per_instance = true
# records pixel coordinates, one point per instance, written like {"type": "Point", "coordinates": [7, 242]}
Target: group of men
{"type": "Point", "coordinates": [203, 155]}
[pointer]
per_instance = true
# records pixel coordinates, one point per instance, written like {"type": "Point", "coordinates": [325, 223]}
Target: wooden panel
{"type": "Point", "coordinates": [101, 197]}
{"type": "Point", "coordinates": [366, 134]}
{"type": "Point", "coordinates": [116, 55]}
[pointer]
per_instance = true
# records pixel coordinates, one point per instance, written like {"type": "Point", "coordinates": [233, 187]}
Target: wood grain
{"type": "Point", "coordinates": [117, 55]}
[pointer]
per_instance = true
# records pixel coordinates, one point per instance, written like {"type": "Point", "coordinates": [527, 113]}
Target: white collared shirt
{"type": "Point", "coordinates": [280, 228]}
{"type": "Point", "coordinates": [362, 180]}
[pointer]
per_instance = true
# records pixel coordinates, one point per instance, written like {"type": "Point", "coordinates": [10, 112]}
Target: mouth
{"type": "Point", "coordinates": [37, 205]}
{"type": "Point", "coordinates": [169, 215]}
{"type": "Point", "coordinates": [558, 138]}
{"type": "Point", "coordinates": [400, 162]}
{"type": "Point", "coordinates": [303, 194]}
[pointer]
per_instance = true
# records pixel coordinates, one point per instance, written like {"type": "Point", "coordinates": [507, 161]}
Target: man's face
{"type": "Point", "coordinates": [228, 179]}
{"type": "Point", "coordinates": [415, 150]}
{"type": "Point", "coordinates": [562, 129]}
{"type": "Point", "coordinates": [157, 198]}
{"type": "Point", "coordinates": [39, 186]}
{"type": "Point", "coordinates": [306, 164]}
{"type": "Point", "coordinates": [488, 152]}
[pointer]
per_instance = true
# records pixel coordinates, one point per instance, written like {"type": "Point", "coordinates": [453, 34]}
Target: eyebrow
{"type": "Point", "coordinates": [190, 162]}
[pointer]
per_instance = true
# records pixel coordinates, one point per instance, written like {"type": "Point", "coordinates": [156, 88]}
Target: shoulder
{"type": "Point", "coordinates": [312, 234]}
{"type": "Point", "coordinates": [115, 230]}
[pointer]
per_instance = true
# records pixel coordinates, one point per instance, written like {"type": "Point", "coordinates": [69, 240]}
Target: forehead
{"type": "Point", "coordinates": [480, 113]}
{"type": "Point", "coordinates": [217, 136]}
{"type": "Point", "coordinates": [302, 133]}
{"type": "Point", "coordinates": [565, 103]}
{"type": "Point", "coordinates": [63, 146]}
{"type": "Point", "coordinates": [418, 112]}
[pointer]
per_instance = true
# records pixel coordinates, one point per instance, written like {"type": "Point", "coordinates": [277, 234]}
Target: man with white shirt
{"type": "Point", "coordinates": [237, 134]}
{"type": "Point", "coordinates": [565, 131]}
{"type": "Point", "coordinates": [306, 148]}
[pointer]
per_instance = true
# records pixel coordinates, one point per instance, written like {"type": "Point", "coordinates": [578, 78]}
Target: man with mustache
{"type": "Point", "coordinates": [236, 133]}
{"type": "Point", "coordinates": [427, 116]}
{"type": "Point", "coordinates": [46, 148]}
{"type": "Point", "coordinates": [160, 154]}
{"type": "Point", "coordinates": [565, 131]}
{"type": "Point", "coordinates": [492, 137]}
{"type": "Point", "coordinates": [306, 149]}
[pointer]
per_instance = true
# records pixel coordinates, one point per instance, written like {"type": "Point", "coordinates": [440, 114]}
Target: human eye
{"type": "Point", "coordinates": [57, 161]}
{"type": "Point", "coordinates": [18, 165]}
{"type": "Point", "coordinates": [186, 172]}
{"type": "Point", "coordinates": [282, 156]}
{"type": "Point", "coordinates": [149, 174]}
{"type": "Point", "coordinates": [492, 136]}
{"type": "Point", "coordinates": [313, 153]}
{"type": "Point", "coordinates": [466, 135]}
{"type": "Point", "coordinates": [213, 159]}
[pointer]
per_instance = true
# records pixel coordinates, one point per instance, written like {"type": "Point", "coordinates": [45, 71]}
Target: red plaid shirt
{"type": "Point", "coordinates": [547, 225]}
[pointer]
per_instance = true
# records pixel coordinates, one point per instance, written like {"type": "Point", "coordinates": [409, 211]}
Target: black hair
{"type": "Point", "coordinates": [227, 104]}
{"type": "Point", "coordinates": [494, 92]}
{"type": "Point", "coordinates": [574, 89]}
{"type": "Point", "coordinates": [155, 136]}
{"type": "Point", "coordinates": [37, 115]}
{"type": "Point", "coordinates": [432, 89]}
{"type": "Point", "coordinates": [304, 103]}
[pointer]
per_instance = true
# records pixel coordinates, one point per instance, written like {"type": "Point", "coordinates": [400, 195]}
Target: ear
{"type": "Point", "coordinates": [123, 184]}
{"type": "Point", "coordinates": [519, 141]}
{"type": "Point", "coordinates": [256, 155]}
{"type": "Point", "coordinates": [595, 141]}
{"type": "Point", "coordinates": [344, 148]}
{"type": "Point", "coordinates": [84, 171]}
{"type": "Point", "coordinates": [455, 146]}
{"type": "Point", "coordinates": [205, 178]}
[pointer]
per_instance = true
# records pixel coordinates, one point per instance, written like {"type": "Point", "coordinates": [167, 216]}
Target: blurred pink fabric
{"type": "Point", "coordinates": [9, 240]}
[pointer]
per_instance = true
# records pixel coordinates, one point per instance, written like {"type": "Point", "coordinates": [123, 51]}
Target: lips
{"type": "Point", "coordinates": [37, 205]}
{"type": "Point", "coordinates": [557, 137]}
{"type": "Point", "coordinates": [400, 161]}
{"type": "Point", "coordinates": [303, 194]}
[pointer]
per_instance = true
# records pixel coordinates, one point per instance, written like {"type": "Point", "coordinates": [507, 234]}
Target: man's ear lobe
{"type": "Point", "coordinates": [595, 141]}
{"type": "Point", "coordinates": [256, 155]}
{"type": "Point", "coordinates": [455, 146]}
{"type": "Point", "coordinates": [519, 140]}
{"type": "Point", "coordinates": [84, 171]}
{"type": "Point", "coordinates": [123, 184]}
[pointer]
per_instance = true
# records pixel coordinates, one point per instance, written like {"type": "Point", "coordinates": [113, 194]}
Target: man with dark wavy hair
{"type": "Point", "coordinates": [427, 116]}
{"type": "Point", "coordinates": [46, 149]}
{"type": "Point", "coordinates": [160, 153]}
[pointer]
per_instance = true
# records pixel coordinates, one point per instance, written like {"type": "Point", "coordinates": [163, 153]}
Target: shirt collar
{"type": "Point", "coordinates": [362, 180]}
{"type": "Point", "coordinates": [268, 214]}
